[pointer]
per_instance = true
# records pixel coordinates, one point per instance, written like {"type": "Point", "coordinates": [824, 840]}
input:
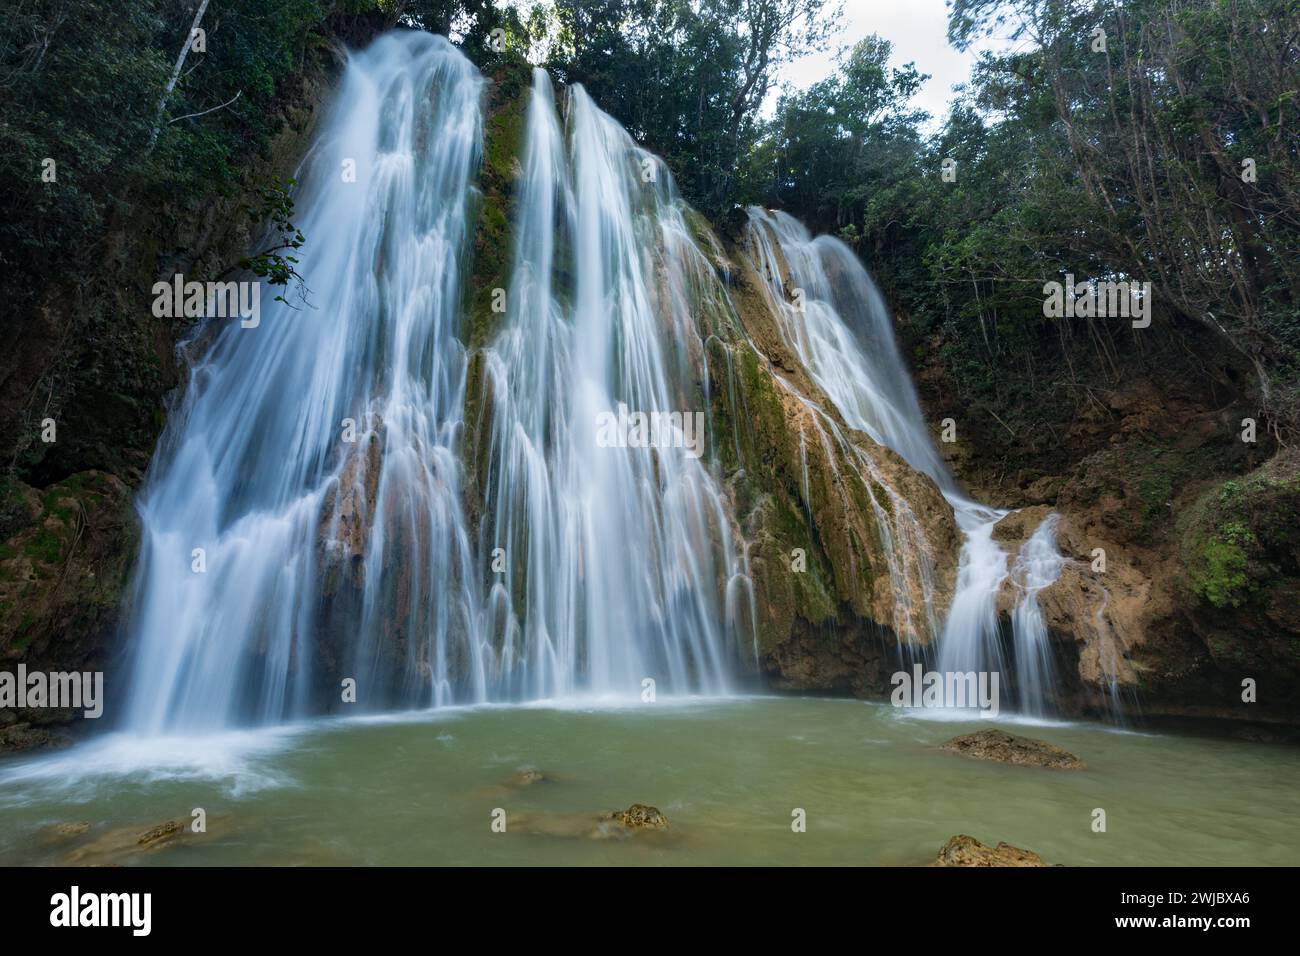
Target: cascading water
{"type": "Point", "coordinates": [256, 484]}
{"type": "Point", "coordinates": [871, 392]}
{"type": "Point", "coordinates": [1037, 565]}
{"type": "Point", "coordinates": [313, 470]}
{"type": "Point", "coordinates": [842, 332]}
{"type": "Point", "coordinates": [613, 556]}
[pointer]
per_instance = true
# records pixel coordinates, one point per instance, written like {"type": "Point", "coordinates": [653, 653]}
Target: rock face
{"type": "Point", "coordinates": [810, 496]}
{"type": "Point", "coordinates": [64, 565]}
{"type": "Point", "coordinates": [1003, 747]}
{"type": "Point", "coordinates": [965, 850]}
{"type": "Point", "coordinates": [1177, 616]}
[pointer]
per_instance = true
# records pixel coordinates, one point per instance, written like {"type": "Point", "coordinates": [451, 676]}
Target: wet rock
{"type": "Point", "coordinates": [963, 850]}
{"type": "Point", "coordinates": [636, 822]}
{"type": "Point", "coordinates": [640, 817]}
{"type": "Point", "coordinates": [1019, 525]}
{"type": "Point", "coordinates": [160, 834]}
{"type": "Point", "coordinates": [1008, 748]}
{"type": "Point", "coordinates": [1095, 618]}
{"type": "Point", "coordinates": [66, 552]}
{"type": "Point", "coordinates": [24, 736]}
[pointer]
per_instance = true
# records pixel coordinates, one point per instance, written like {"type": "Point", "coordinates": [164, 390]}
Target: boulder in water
{"type": "Point", "coordinates": [963, 850]}
{"type": "Point", "coordinates": [640, 817]}
{"type": "Point", "coordinates": [1008, 748]}
{"type": "Point", "coordinates": [636, 821]}
{"type": "Point", "coordinates": [162, 833]}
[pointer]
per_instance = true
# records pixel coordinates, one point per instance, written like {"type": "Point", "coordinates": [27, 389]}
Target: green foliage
{"type": "Point", "coordinates": [1244, 535]}
{"type": "Point", "coordinates": [1223, 575]}
{"type": "Point", "coordinates": [1114, 164]}
{"type": "Point", "coordinates": [83, 83]}
{"type": "Point", "coordinates": [844, 152]}
{"type": "Point", "coordinates": [686, 79]}
{"type": "Point", "coordinates": [1117, 164]}
{"type": "Point", "coordinates": [272, 205]}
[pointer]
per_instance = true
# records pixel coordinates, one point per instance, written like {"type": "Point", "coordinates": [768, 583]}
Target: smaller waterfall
{"type": "Point", "coordinates": [971, 635]}
{"type": "Point", "coordinates": [1121, 698]}
{"type": "Point", "coordinates": [1037, 566]}
{"type": "Point", "coordinates": [842, 332]}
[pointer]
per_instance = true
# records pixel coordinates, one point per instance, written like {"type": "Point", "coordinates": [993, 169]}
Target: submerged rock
{"type": "Point", "coordinates": [62, 832]}
{"type": "Point", "coordinates": [963, 850]}
{"type": "Point", "coordinates": [526, 777]}
{"type": "Point", "coordinates": [521, 779]}
{"type": "Point", "coordinates": [1008, 748]}
{"type": "Point", "coordinates": [637, 820]}
{"type": "Point", "coordinates": [125, 844]}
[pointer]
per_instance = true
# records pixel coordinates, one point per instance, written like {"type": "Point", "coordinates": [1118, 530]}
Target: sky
{"type": "Point", "coordinates": [918, 30]}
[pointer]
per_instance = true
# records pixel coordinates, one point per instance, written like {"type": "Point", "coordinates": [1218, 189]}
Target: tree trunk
{"type": "Point", "coordinates": [176, 73]}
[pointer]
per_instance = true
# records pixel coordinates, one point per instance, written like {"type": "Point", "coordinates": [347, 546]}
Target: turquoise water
{"type": "Point", "coordinates": [728, 774]}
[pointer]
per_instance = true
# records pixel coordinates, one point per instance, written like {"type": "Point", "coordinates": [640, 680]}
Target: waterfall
{"type": "Point", "coordinates": [841, 330]}
{"type": "Point", "coordinates": [309, 519]}
{"type": "Point", "coordinates": [862, 374]}
{"type": "Point", "coordinates": [257, 496]}
{"type": "Point", "coordinates": [617, 554]}
{"type": "Point", "coordinates": [367, 491]}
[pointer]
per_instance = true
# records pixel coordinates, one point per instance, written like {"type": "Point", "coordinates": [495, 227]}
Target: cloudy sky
{"type": "Point", "coordinates": [919, 31]}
